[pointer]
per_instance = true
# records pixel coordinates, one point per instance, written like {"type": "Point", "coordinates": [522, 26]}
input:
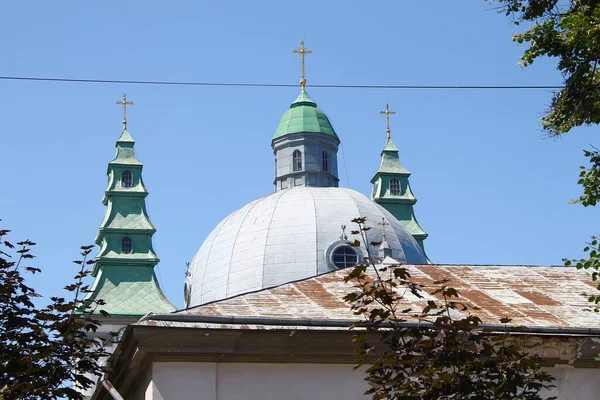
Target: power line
{"type": "Point", "coordinates": [180, 83]}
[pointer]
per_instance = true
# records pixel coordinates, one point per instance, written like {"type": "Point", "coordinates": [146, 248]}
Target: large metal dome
{"type": "Point", "coordinates": [289, 235]}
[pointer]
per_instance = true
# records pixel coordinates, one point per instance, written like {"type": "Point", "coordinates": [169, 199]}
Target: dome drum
{"type": "Point", "coordinates": [305, 160]}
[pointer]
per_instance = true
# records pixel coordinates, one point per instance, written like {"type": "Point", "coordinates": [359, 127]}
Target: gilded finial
{"type": "Point", "coordinates": [125, 103]}
{"type": "Point", "coordinates": [387, 113]}
{"type": "Point", "coordinates": [302, 51]}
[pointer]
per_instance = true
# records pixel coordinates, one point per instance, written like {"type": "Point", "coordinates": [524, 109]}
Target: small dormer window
{"type": "Point", "coordinates": [126, 245]}
{"type": "Point", "coordinates": [395, 187]}
{"type": "Point", "coordinates": [127, 179]}
{"type": "Point", "coordinates": [297, 160]}
{"type": "Point", "coordinates": [325, 161]}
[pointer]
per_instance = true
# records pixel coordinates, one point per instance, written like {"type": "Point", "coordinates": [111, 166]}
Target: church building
{"type": "Point", "coordinates": [264, 314]}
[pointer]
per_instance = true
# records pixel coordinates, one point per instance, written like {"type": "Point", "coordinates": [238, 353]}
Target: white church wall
{"type": "Point", "coordinates": [575, 383]}
{"type": "Point", "coordinates": [146, 388]}
{"type": "Point", "coordinates": [233, 381]}
{"type": "Point", "coordinates": [104, 334]}
{"type": "Point", "coordinates": [173, 380]}
{"type": "Point", "coordinates": [289, 381]}
{"type": "Point", "coordinates": [265, 381]}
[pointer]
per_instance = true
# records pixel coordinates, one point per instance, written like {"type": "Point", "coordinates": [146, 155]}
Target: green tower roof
{"type": "Point", "coordinates": [124, 269]}
{"type": "Point", "coordinates": [128, 290]}
{"type": "Point", "coordinates": [304, 116]}
{"type": "Point", "coordinates": [125, 138]}
{"type": "Point", "coordinates": [392, 190]}
{"type": "Point", "coordinates": [390, 161]}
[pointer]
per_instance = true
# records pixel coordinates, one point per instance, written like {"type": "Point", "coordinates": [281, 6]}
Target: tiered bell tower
{"type": "Point", "coordinates": [124, 268]}
{"type": "Point", "coordinates": [391, 188]}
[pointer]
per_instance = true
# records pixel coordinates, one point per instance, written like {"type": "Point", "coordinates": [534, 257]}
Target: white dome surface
{"type": "Point", "coordinates": [288, 236]}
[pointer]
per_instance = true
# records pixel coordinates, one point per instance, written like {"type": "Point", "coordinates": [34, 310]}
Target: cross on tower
{"type": "Point", "coordinates": [387, 113]}
{"type": "Point", "coordinates": [125, 103]}
{"type": "Point", "coordinates": [302, 51]}
{"type": "Point", "coordinates": [383, 223]}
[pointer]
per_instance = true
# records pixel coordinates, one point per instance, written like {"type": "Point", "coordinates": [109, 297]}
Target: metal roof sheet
{"type": "Point", "coordinates": [533, 296]}
{"type": "Point", "coordinates": [285, 237]}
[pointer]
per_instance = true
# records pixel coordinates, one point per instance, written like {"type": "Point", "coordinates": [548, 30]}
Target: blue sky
{"type": "Point", "coordinates": [491, 188]}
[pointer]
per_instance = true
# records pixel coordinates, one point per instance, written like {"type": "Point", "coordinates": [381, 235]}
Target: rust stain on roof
{"type": "Point", "coordinates": [531, 296]}
{"type": "Point", "coordinates": [538, 298]}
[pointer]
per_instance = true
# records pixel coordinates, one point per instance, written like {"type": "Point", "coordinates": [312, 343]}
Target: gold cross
{"type": "Point", "coordinates": [124, 103]}
{"type": "Point", "coordinates": [387, 113]}
{"type": "Point", "coordinates": [383, 224]}
{"type": "Point", "coordinates": [302, 51]}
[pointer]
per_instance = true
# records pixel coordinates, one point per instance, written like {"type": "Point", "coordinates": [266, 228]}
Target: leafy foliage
{"type": "Point", "coordinates": [569, 31]}
{"type": "Point", "coordinates": [592, 248]}
{"type": "Point", "coordinates": [589, 178]}
{"type": "Point", "coordinates": [444, 356]}
{"type": "Point", "coordinates": [45, 353]}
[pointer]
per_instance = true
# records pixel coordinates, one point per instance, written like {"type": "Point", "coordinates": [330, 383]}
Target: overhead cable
{"type": "Point", "coordinates": [236, 84]}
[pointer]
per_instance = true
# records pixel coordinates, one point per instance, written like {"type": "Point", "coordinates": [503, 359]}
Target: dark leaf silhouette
{"type": "Point", "coordinates": [45, 352]}
{"type": "Point", "coordinates": [440, 356]}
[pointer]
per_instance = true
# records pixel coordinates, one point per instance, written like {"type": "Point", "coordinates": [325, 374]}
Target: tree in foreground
{"type": "Point", "coordinates": [570, 32]}
{"type": "Point", "coordinates": [445, 356]}
{"type": "Point", "coordinates": [45, 353]}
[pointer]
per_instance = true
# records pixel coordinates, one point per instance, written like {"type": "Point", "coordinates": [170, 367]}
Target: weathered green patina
{"type": "Point", "coordinates": [398, 200]}
{"type": "Point", "coordinates": [304, 116]}
{"type": "Point", "coordinates": [124, 274]}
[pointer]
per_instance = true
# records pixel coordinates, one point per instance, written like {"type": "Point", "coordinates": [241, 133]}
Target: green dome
{"type": "Point", "coordinates": [304, 116]}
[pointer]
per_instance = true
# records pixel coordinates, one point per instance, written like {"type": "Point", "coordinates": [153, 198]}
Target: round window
{"type": "Point", "coordinates": [344, 256]}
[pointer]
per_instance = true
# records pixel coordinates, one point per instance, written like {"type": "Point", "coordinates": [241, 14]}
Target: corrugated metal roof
{"type": "Point", "coordinates": [532, 296]}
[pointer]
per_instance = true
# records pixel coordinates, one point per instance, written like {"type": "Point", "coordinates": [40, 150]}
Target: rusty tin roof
{"type": "Point", "coordinates": [533, 296]}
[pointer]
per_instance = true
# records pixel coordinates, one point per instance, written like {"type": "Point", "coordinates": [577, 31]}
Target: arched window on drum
{"type": "Point", "coordinates": [297, 160]}
{"type": "Point", "coordinates": [325, 161]}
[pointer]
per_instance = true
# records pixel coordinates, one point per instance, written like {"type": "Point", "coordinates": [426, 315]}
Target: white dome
{"type": "Point", "coordinates": [287, 236]}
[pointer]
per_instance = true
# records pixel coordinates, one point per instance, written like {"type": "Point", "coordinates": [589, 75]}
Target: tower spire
{"type": "Point", "coordinates": [387, 113]}
{"type": "Point", "coordinates": [123, 273]}
{"type": "Point", "coordinates": [124, 268]}
{"type": "Point", "coordinates": [391, 188]}
{"type": "Point", "coordinates": [302, 51]}
{"type": "Point", "coordinates": [124, 102]}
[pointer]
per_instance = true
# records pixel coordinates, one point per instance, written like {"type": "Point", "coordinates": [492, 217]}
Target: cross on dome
{"type": "Point", "coordinates": [302, 51]}
{"type": "Point", "coordinates": [383, 223]}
